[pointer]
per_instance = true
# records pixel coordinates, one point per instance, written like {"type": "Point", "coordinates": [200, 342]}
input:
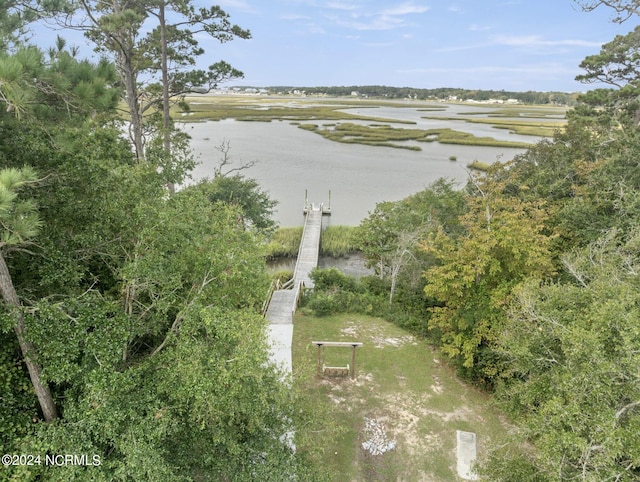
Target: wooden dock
{"type": "Point", "coordinates": [284, 302]}
{"type": "Point", "coordinates": [309, 248]}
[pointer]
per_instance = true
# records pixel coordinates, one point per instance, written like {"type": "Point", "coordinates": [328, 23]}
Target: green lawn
{"type": "Point", "coordinates": [402, 384]}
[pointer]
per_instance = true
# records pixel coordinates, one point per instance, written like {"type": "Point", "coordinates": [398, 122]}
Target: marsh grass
{"type": "Point", "coordinates": [479, 166]}
{"type": "Point", "coordinates": [387, 136]}
{"type": "Point", "coordinates": [215, 109]}
{"type": "Point", "coordinates": [401, 382]}
{"type": "Point", "coordinates": [524, 110]}
{"type": "Point", "coordinates": [522, 127]}
{"type": "Point", "coordinates": [284, 242]}
{"type": "Point", "coordinates": [377, 133]}
{"type": "Point", "coordinates": [338, 241]}
{"type": "Point", "coordinates": [450, 136]}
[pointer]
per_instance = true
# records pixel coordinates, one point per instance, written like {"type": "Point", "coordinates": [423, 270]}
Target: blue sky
{"type": "Point", "coordinates": [476, 44]}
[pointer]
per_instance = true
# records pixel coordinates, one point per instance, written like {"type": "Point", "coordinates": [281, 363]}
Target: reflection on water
{"type": "Point", "coordinates": [290, 160]}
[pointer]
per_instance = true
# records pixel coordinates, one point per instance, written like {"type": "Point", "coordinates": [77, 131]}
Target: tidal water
{"type": "Point", "coordinates": [289, 160]}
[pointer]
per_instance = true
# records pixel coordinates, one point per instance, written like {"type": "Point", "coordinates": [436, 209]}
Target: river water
{"type": "Point", "coordinates": [289, 160]}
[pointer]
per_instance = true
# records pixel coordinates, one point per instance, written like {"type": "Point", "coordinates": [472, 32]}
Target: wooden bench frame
{"type": "Point", "coordinates": [322, 344]}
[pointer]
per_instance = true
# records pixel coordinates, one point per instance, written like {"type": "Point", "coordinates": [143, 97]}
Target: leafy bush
{"type": "Point", "coordinates": [324, 304]}
{"type": "Point", "coordinates": [335, 292]}
{"type": "Point", "coordinates": [332, 279]}
{"type": "Point", "coordinates": [375, 285]}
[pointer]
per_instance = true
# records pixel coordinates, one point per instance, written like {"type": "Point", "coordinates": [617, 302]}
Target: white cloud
{"type": "Point", "coordinates": [479, 28]}
{"type": "Point", "coordinates": [361, 18]}
{"type": "Point", "coordinates": [316, 29]}
{"type": "Point", "coordinates": [294, 16]}
{"type": "Point", "coordinates": [342, 6]}
{"type": "Point", "coordinates": [538, 41]}
{"type": "Point", "coordinates": [523, 41]}
{"type": "Point", "coordinates": [378, 44]}
{"type": "Point", "coordinates": [535, 69]}
{"type": "Point", "coordinates": [237, 4]}
{"type": "Point", "coordinates": [406, 9]}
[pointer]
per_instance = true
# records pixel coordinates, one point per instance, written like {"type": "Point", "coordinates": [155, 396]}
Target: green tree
{"type": "Point", "coordinates": [19, 223]}
{"type": "Point", "coordinates": [115, 26]}
{"type": "Point", "coordinates": [255, 206]}
{"type": "Point", "coordinates": [176, 48]}
{"type": "Point", "coordinates": [503, 244]}
{"type": "Point", "coordinates": [390, 236]}
{"type": "Point", "coordinates": [625, 9]}
{"type": "Point", "coordinates": [618, 65]}
{"type": "Point", "coordinates": [144, 312]}
{"type": "Point", "coordinates": [56, 86]}
{"type": "Point", "coordinates": [572, 356]}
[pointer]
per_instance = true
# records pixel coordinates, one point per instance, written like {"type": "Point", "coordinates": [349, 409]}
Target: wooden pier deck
{"type": "Point", "coordinates": [284, 302]}
{"type": "Point", "coordinates": [309, 248]}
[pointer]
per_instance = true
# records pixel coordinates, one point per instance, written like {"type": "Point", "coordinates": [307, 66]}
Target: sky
{"type": "Point", "coordinates": [512, 45]}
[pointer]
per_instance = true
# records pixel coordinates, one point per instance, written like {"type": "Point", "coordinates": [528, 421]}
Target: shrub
{"type": "Point", "coordinates": [332, 279]}
{"type": "Point", "coordinates": [375, 285]}
{"type": "Point", "coordinates": [323, 304]}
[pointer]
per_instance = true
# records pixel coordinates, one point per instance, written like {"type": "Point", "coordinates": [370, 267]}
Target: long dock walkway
{"type": "Point", "coordinates": [284, 302]}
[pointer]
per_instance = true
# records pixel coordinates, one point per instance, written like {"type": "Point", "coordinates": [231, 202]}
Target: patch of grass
{"type": "Point", "coordinates": [525, 111]}
{"type": "Point", "coordinates": [282, 276]}
{"type": "Point", "coordinates": [387, 136]}
{"type": "Point", "coordinates": [522, 127]}
{"type": "Point", "coordinates": [401, 383]}
{"type": "Point", "coordinates": [284, 242]}
{"type": "Point", "coordinates": [449, 136]}
{"type": "Point", "coordinates": [338, 241]}
{"type": "Point", "coordinates": [525, 128]}
{"type": "Point", "coordinates": [479, 166]}
{"type": "Point", "coordinates": [335, 241]}
{"type": "Point", "coordinates": [242, 109]}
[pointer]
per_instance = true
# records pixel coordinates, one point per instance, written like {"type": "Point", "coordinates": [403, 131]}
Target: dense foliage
{"type": "Point", "coordinates": [130, 331]}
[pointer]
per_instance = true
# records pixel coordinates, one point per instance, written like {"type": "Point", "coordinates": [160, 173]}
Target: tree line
{"type": "Point", "coordinates": [441, 93]}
